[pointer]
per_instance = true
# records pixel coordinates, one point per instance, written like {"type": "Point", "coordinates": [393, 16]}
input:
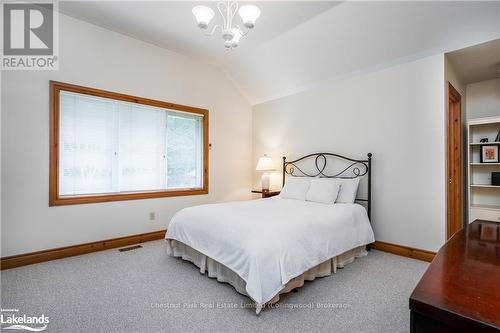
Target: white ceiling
{"type": "Point", "coordinates": [477, 63]}
{"type": "Point", "coordinates": [297, 44]}
{"type": "Point", "coordinates": [355, 37]}
{"type": "Point", "coordinates": [171, 25]}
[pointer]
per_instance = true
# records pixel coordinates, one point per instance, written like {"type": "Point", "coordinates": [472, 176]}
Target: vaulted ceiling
{"type": "Point", "coordinates": [171, 25]}
{"type": "Point", "coordinates": [477, 63]}
{"type": "Point", "coordinates": [297, 44]}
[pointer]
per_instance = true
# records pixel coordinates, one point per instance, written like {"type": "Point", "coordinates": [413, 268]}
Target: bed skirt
{"type": "Point", "coordinates": [224, 274]}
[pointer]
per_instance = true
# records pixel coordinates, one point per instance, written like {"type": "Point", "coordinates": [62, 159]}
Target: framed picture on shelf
{"type": "Point", "coordinates": [489, 153]}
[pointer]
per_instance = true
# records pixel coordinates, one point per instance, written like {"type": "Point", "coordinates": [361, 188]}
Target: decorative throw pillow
{"type": "Point", "coordinates": [296, 188]}
{"type": "Point", "coordinates": [348, 190]}
{"type": "Point", "coordinates": [323, 190]}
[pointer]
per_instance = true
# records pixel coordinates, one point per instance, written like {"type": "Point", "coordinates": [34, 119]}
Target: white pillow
{"type": "Point", "coordinates": [323, 190]}
{"type": "Point", "coordinates": [296, 188]}
{"type": "Point", "coordinates": [348, 190]}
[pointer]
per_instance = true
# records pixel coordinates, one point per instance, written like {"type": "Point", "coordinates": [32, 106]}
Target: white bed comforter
{"type": "Point", "coordinates": [267, 242]}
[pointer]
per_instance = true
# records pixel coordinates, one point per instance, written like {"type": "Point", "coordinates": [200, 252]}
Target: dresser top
{"type": "Point", "coordinates": [462, 284]}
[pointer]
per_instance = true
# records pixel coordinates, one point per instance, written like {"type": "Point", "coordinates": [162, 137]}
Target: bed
{"type": "Point", "coordinates": [267, 247]}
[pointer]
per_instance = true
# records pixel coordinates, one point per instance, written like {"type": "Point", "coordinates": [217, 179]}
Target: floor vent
{"type": "Point", "coordinates": [130, 248]}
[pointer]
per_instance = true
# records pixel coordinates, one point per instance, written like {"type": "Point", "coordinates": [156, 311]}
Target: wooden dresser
{"type": "Point", "coordinates": [460, 291]}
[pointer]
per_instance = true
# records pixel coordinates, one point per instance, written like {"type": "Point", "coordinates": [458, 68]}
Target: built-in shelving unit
{"type": "Point", "coordinates": [485, 206]}
{"type": "Point", "coordinates": [484, 198]}
{"type": "Point", "coordinates": [485, 186]}
{"type": "Point", "coordinates": [479, 143]}
{"type": "Point", "coordinates": [484, 164]}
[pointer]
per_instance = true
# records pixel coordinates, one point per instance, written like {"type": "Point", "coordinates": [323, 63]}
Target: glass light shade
{"type": "Point", "coordinates": [265, 164]}
{"type": "Point", "coordinates": [236, 37]}
{"type": "Point", "coordinates": [203, 15]}
{"type": "Point", "coordinates": [249, 14]}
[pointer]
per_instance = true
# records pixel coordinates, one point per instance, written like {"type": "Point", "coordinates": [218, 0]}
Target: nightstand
{"type": "Point", "coordinates": [267, 194]}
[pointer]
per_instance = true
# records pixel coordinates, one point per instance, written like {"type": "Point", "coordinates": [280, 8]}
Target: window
{"type": "Point", "coordinates": [107, 147]}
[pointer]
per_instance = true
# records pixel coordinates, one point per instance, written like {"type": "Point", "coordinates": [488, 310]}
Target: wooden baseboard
{"type": "Point", "coordinates": [75, 250]}
{"type": "Point", "coordinates": [404, 251]}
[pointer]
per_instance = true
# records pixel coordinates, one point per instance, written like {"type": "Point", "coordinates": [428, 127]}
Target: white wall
{"type": "Point", "coordinates": [95, 57]}
{"type": "Point", "coordinates": [398, 115]}
{"type": "Point", "coordinates": [451, 75]}
{"type": "Point", "coordinates": [483, 99]}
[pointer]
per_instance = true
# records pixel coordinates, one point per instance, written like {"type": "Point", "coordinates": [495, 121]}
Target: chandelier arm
{"type": "Point", "coordinates": [220, 6]}
{"type": "Point", "coordinates": [213, 30]}
{"type": "Point", "coordinates": [243, 32]}
{"type": "Point", "coordinates": [232, 12]}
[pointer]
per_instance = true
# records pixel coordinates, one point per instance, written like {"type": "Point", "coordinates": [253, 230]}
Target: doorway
{"type": "Point", "coordinates": [454, 163]}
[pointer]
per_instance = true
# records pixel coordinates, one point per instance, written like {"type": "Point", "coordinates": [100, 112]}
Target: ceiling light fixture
{"type": "Point", "coordinates": [231, 33]}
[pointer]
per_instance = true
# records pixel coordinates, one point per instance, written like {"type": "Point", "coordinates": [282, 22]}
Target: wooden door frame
{"type": "Point", "coordinates": [454, 101]}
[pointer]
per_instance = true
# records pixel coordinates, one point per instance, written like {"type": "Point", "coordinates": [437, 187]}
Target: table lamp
{"type": "Point", "coordinates": [265, 164]}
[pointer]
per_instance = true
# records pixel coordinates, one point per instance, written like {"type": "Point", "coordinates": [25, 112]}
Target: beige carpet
{"type": "Point", "coordinates": [144, 290]}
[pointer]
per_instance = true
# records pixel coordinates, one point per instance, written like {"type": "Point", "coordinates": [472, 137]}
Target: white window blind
{"type": "Point", "coordinates": [110, 146]}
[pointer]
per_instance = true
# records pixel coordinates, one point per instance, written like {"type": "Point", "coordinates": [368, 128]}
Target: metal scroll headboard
{"type": "Point", "coordinates": [353, 169]}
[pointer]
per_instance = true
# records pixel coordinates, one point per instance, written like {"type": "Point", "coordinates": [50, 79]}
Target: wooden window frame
{"type": "Point", "coordinates": [56, 200]}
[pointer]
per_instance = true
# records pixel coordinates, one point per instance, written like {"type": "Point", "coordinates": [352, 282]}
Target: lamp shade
{"type": "Point", "coordinates": [249, 14]}
{"type": "Point", "coordinates": [203, 15]}
{"type": "Point", "coordinates": [236, 37]}
{"type": "Point", "coordinates": [265, 164]}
